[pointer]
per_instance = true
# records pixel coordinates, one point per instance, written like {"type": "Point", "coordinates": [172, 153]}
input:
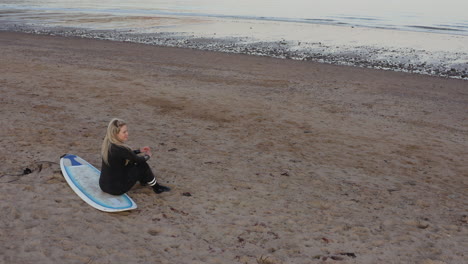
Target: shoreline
{"type": "Point", "coordinates": [290, 161]}
{"type": "Point", "coordinates": [386, 49]}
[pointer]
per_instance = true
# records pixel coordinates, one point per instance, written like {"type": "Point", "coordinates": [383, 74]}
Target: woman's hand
{"type": "Point", "coordinates": [146, 150]}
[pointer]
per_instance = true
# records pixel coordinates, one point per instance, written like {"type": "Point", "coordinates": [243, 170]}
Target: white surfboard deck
{"type": "Point", "coordinates": [83, 178]}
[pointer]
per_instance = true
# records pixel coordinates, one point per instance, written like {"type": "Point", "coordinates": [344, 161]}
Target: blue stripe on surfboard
{"type": "Point", "coordinates": [92, 197]}
{"type": "Point", "coordinates": [73, 160]}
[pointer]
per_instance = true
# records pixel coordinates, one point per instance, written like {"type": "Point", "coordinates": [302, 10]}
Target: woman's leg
{"type": "Point", "coordinates": [142, 173]}
{"type": "Point", "coordinates": [146, 177]}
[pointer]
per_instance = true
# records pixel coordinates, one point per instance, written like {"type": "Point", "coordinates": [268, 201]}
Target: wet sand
{"type": "Point", "coordinates": [285, 161]}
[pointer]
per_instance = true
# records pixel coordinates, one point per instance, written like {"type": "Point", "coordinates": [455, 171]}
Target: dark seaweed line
{"type": "Point", "coordinates": [273, 49]}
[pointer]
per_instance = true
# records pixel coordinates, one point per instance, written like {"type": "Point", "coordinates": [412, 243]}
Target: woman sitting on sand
{"type": "Point", "coordinates": [122, 167]}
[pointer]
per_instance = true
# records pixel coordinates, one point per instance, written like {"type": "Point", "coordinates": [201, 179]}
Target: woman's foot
{"type": "Point", "coordinates": [160, 188]}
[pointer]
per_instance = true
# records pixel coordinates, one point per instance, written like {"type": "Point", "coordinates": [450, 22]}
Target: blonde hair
{"type": "Point", "coordinates": [111, 138]}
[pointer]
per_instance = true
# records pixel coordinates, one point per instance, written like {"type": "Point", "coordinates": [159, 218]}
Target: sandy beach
{"type": "Point", "coordinates": [286, 162]}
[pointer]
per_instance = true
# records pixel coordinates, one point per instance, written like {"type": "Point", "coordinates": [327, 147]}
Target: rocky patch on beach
{"type": "Point", "coordinates": [442, 64]}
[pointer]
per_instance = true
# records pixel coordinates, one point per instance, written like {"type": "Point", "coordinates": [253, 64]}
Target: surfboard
{"type": "Point", "coordinates": [83, 178]}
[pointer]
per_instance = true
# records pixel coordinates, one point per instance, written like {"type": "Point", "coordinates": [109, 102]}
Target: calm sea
{"type": "Point", "coordinates": [442, 16]}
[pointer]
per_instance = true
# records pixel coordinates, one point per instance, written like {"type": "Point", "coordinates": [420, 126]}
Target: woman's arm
{"type": "Point", "coordinates": [132, 156]}
{"type": "Point", "coordinates": [146, 150]}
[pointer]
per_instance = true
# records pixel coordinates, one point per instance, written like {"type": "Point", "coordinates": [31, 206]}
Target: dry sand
{"type": "Point", "coordinates": [285, 161]}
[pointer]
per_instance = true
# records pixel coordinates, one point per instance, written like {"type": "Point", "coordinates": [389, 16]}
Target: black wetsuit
{"type": "Point", "coordinates": [125, 168]}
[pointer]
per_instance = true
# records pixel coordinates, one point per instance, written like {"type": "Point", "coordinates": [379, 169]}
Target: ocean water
{"type": "Point", "coordinates": [366, 33]}
{"type": "Point", "coordinates": [448, 16]}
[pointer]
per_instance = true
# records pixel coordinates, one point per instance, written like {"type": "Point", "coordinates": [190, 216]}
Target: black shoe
{"type": "Point", "coordinates": [160, 188]}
